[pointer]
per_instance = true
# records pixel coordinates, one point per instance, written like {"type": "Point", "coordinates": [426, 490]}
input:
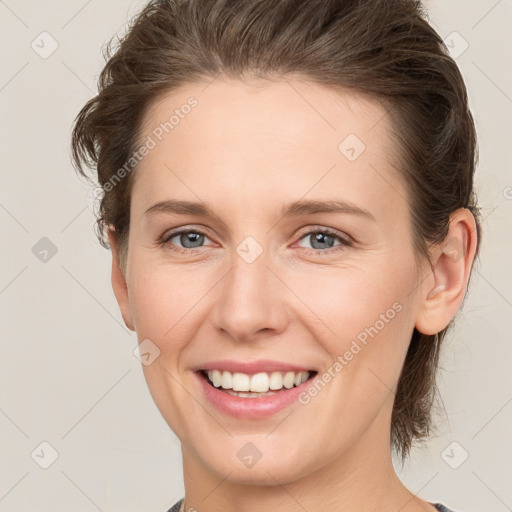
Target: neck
{"type": "Point", "coordinates": [360, 479]}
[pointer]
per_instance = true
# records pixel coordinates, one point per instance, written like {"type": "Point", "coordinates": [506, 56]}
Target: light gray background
{"type": "Point", "coordinates": [68, 376]}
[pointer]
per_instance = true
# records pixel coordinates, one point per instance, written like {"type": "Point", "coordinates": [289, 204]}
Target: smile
{"type": "Point", "coordinates": [253, 396]}
{"type": "Point", "coordinates": [259, 384]}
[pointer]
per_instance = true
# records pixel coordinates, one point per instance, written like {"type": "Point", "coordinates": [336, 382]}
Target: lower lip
{"type": "Point", "coordinates": [251, 408]}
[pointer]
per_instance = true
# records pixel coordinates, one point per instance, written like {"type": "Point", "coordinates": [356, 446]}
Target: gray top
{"type": "Point", "coordinates": [176, 507]}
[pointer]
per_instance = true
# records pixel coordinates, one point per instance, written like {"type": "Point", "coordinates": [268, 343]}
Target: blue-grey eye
{"type": "Point", "coordinates": [188, 239]}
{"type": "Point", "coordinates": [321, 240]}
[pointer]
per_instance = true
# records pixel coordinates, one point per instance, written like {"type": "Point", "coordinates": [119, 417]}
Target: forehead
{"type": "Point", "coordinates": [237, 140]}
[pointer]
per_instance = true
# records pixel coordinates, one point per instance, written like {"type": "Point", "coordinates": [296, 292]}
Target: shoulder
{"type": "Point", "coordinates": [442, 508]}
{"type": "Point", "coordinates": [177, 505]}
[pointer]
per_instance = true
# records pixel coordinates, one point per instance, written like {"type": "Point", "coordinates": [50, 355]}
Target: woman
{"type": "Point", "coordinates": [288, 197]}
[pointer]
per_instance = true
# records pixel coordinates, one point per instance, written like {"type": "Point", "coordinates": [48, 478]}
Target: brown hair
{"type": "Point", "coordinates": [383, 48]}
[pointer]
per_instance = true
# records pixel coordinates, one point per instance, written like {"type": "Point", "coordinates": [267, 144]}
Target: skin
{"type": "Point", "coordinates": [246, 150]}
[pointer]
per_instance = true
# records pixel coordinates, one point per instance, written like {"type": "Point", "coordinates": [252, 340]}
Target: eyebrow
{"type": "Point", "coordinates": [310, 207]}
{"type": "Point", "coordinates": [182, 208]}
{"type": "Point", "coordinates": [293, 209]}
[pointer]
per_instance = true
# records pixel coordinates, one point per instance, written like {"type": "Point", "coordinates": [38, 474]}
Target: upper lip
{"type": "Point", "coordinates": [251, 367]}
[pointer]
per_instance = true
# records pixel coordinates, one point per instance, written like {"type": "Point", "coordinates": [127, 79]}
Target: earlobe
{"type": "Point", "coordinates": [452, 260]}
{"type": "Point", "coordinates": [118, 281]}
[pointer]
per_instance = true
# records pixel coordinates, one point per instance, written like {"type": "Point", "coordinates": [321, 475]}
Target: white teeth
{"type": "Point", "coordinates": [288, 380]}
{"type": "Point", "coordinates": [216, 377]}
{"type": "Point", "coordinates": [227, 380]}
{"type": "Point", "coordinates": [276, 380]}
{"type": "Point", "coordinates": [259, 382]}
{"type": "Point", "coordinates": [241, 382]}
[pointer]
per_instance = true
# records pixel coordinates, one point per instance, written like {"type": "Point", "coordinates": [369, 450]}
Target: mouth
{"type": "Point", "coordinates": [257, 385]}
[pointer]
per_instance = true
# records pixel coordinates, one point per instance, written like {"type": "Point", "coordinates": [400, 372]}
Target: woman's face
{"type": "Point", "coordinates": [265, 279]}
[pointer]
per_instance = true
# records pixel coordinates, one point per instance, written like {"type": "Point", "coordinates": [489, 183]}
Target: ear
{"type": "Point", "coordinates": [118, 281]}
{"type": "Point", "coordinates": [443, 292]}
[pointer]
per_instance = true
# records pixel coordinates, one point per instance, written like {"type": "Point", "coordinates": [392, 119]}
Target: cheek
{"type": "Point", "coordinates": [165, 300]}
{"type": "Point", "coordinates": [364, 321]}
{"type": "Point", "coordinates": [363, 318]}
{"type": "Point", "coordinates": [348, 300]}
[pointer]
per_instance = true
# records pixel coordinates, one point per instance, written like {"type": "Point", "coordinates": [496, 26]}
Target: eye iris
{"type": "Point", "coordinates": [320, 237]}
{"type": "Point", "coordinates": [193, 237]}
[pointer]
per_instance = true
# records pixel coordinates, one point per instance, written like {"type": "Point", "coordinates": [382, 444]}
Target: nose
{"type": "Point", "coordinates": [251, 299]}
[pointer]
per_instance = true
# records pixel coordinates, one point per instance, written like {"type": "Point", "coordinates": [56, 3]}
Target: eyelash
{"type": "Point", "coordinates": [345, 241]}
